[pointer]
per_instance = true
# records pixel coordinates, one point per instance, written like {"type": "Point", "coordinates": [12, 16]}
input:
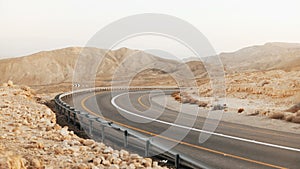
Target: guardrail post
{"type": "Point", "coordinates": [147, 148]}
{"type": "Point", "coordinates": [80, 122]}
{"type": "Point", "coordinates": [102, 133]}
{"type": "Point", "coordinates": [74, 117]}
{"type": "Point", "coordinates": [69, 112]}
{"type": "Point", "coordinates": [62, 109]}
{"type": "Point", "coordinates": [177, 161]}
{"type": "Point", "coordinates": [91, 127]}
{"type": "Point", "coordinates": [125, 138]}
{"type": "Point", "coordinates": [56, 107]}
{"type": "Point", "coordinates": [63, 112]}
{"type": "Point", "coordinates": [59, 109]}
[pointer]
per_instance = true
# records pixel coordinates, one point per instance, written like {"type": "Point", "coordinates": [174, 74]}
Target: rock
{"type": "Point", "coordinates": [64, 131]}
{"type": "Point", "coordinates": [106, 163]}
{"type": "Point", "coordinates": [147, 162]}
{"type": "Point", "coordinates": [57, 127]}
{"type": "Point", "coordinates": [82, 166]}
{"type": "Point", "coordinates": [95, 167]}
{"type": "Point", "coordinates": [124, 153]}
{"type": "Point", "coordinates": [36, 163]}
{"type": "Point", "coordinates": [131, 166]}
{"type": "Point", "coordinates": [58, 150]}
{"type": "Point", "coordinates": [138, 165]}
{"type": "Point", "coordinates": [48, 112]}
{"type": "Point", "coordinates": [114, 166]}
{"type": "Point", "coordinates": [97, 161]}
{"type": "Point", "coordinates": [155, 164]}
{"type": "Point", "coordinates": [134, 156]}
{"type": "Point", "coordinates": [108, 150]}
{"type": "Point", "coordinates": [123, 165]}
{"type": "Point", "coordinates": [88, 142]}
{"type": "Point", "coordinates": [10, 83]}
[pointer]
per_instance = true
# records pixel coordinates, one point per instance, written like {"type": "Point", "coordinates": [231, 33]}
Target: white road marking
{"type": "Point", "coordinates": [199, 130]}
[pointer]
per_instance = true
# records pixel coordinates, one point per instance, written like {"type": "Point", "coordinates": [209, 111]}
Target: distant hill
{"type": "Point", "coordinates": [57, 66]}
{"type": "Point", "coordinates": [285, 56]}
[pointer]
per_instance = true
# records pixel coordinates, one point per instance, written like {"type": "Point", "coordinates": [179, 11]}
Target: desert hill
{"type": "Point", "coordinates": [57, 66]}
{"type": "Point", "coordinates": [271, 56]}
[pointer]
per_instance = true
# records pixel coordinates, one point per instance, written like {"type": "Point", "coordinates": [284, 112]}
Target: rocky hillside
{"type": "Point", "coordinates": [31, 138]}
{"type": "Point", "coordinates": [57, 66]}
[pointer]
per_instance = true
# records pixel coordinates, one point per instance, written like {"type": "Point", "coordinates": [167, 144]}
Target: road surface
{"type": "Point", "coordinates": [233, 145]}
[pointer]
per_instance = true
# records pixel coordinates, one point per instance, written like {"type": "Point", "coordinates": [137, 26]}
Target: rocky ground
{"type": "Point", "coordinates": [31, 138]}
{"type": "Point", "coordinates": [274, 94]}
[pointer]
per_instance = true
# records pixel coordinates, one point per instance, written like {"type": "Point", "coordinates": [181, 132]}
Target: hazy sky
{"type": "Point", "coordinates": [34, 25]}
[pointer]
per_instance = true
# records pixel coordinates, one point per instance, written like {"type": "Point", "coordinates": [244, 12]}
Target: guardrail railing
{"type": "Point", "coordinates": [88, 122]}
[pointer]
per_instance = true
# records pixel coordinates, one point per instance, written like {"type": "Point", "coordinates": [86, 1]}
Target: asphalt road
{"type": "Point", "coordinates": [234, 146]}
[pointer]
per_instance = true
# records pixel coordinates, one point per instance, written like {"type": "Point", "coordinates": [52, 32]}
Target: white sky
{"type": "Point", "coordinates": [34, 25]}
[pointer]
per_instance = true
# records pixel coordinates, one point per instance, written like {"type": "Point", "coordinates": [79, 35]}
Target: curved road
{"type": "Point", "coordinates": [233, 145]}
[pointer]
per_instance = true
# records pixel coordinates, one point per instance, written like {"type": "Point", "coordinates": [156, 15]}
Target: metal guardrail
{"type": "Point", "coordinates": [87, 121]}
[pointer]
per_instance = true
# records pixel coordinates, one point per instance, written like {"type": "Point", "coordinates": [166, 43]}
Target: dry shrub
{"type": "Point", "coordinates": [184, 94]}
{"type": "Point", "coordinates": [264, 112]}
{"type": "Point", "coordinates": [193, 101]}
{"type": "Point", "coordinates": [185, 100]}
{"type": "Point", "coordinates": [296, 119]}
{"type": "Point", "coordinates": [278, 115]}
{"type": "Point", "coordinates": [240, 110]}
{"type": "Point", "coordinates": [288, 118]}
{"type": "Point", "coordinates": [294, 109]}
{"type": "Point", "coordinates": [255, 113]}
{"type": "Point", "coordinates": [177, 98]}
{"type": "Point", "coordinates": [175, 94]}
{"type": "Point", "coordinates": [25, 88]}
{"type": "Point", "coordinates": [202, 104]}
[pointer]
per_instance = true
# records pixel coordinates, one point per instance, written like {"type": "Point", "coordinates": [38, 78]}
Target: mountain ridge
{"type": "Point", "coordinates": [57, 66]}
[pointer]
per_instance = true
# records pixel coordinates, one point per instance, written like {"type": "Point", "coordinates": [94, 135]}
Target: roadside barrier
{"type": "Point", "coordinates": [97, 126]}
